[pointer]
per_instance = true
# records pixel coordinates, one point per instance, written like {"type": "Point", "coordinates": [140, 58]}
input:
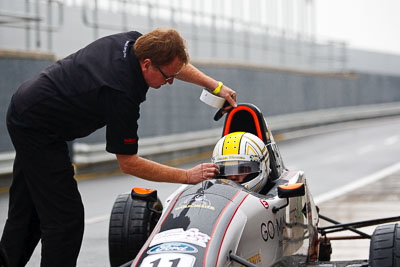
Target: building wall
{"type": "Point", "coordinates": [177, 108]}
{"type": "Point", "coordinates": [15, 68]}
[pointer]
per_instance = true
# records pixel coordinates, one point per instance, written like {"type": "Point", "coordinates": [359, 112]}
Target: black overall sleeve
{"type": "Point", "coordinates": [122, 114]}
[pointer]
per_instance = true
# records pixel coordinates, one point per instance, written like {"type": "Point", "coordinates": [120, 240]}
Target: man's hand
{"type": "Point", "coordinates": [230, 96]}
{"type": "Point", "coordinates": [202, 172]}
{"type": "Point", "coordinates": [190, 73]}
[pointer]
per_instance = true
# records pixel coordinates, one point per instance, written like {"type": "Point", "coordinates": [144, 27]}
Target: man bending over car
{"type": "Point", "coordinates": [100, 85]}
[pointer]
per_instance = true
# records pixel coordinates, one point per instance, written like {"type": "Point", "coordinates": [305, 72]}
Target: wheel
{"type": "Point", "coordinates": [384, 250]}
{"type": "Point", "coordinates": [131, 223]}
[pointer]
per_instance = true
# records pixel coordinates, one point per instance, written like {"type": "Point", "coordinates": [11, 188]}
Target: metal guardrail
{"type": "Point", "coordinates": [95, 153]}
{"type": "Point", "coordinates": [6, 162]}
{"type": "Point", "coordinates": [92, 154]}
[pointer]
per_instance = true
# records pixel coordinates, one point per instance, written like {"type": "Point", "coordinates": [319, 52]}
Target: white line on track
{"type": "Point", "coordinates": [391, 140]}
{"type": "Point", "coordinates": [357, 184]}
{"type": "Point", "coordinates": [365, 149]}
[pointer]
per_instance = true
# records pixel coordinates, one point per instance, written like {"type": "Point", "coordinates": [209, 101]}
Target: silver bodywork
{"type": "Point", "coordinates": [221, 223]}
{"type": "Point", "coordinates": [246, 226]}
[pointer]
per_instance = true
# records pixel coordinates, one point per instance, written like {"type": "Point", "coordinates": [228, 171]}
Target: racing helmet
{"type": "Point", "coordinates": [242, 154]}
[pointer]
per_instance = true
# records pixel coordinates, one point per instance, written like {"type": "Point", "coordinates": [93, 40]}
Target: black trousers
{"type": "Point", "coordinates": [44, 201]}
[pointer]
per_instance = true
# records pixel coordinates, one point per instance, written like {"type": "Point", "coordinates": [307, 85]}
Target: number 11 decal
{"type": "Point", "coordinates": [175, 262]}
{"type": "Point", "coordinates": [169, 260]}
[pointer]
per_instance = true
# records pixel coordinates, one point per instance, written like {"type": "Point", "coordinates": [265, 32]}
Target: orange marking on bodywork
{"type": "Point", "coordinates": [291, 186]}
{"type": "Point", "coordinates": [142, 191]}
{"type": "Point", "coordinates": [229, 120]}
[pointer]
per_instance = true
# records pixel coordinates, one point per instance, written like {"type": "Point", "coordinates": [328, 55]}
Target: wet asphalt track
{"type": "Point", "coordinates": [330, 156]}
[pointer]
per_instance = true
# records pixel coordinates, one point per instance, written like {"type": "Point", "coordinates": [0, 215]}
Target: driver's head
{"type": "Point", "coordinates": [243, 158]}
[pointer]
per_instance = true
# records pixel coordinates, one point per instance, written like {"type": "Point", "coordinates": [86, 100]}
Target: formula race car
{"type": "Point", "coordinates": [222, 222]}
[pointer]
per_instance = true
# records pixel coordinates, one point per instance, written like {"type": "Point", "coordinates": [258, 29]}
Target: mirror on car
{"type": "Point", "coordinates": [291, 190]}
{"type": "Point", "coordinates": [144, 194]}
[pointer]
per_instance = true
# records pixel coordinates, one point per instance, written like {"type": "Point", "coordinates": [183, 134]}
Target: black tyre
{"type": "Point", "coordinates": [384, 250]}
{"type": "Point", "coordinates": [131, 223]}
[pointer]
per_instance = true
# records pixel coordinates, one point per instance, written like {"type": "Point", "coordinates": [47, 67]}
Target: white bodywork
{"type": "Point", "coordinates": [253, 232]}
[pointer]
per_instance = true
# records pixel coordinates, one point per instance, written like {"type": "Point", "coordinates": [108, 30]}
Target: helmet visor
{"type": "Point", "coordinates": [237, 167]}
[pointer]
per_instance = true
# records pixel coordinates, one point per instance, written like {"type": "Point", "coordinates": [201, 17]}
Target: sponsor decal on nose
{"type": "Point", "coordinates": [264, 203]}
{"type": "Point", "coordinates": [192, 236]}
{"type": "Point", "coordinates": [172, 247]}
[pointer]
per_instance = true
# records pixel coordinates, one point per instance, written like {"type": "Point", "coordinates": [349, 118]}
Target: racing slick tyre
{"type": "Point", "coordinates": [131, 223]}
{"type": "Point", "coordinates": [384, 249]}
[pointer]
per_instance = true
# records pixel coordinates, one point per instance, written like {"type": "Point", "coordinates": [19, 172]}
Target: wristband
{"type": "Point", "coordinates": [216, 90]}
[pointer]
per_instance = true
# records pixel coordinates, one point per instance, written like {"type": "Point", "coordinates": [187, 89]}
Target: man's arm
{"type": "Point", "coordinates": [153, 171]}
{"type": "Point", "coordinates": [190, 73]}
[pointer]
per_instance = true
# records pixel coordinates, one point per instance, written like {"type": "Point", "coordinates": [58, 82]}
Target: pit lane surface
{"type": "Point", "coordinates": [330, 156]}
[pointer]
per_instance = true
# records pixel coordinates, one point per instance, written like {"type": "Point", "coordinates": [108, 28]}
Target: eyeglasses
{"type": "Point", "coordinates": [165, 75]}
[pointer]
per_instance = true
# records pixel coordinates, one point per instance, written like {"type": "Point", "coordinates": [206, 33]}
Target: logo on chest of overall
{"type": "Point", "coordinates": [125, 48]}
{"type": "Point", "coordinates": [130, 141]}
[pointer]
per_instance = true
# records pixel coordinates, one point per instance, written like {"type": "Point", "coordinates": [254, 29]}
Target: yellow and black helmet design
{"type": "Point", "coordinates": [241, 153]}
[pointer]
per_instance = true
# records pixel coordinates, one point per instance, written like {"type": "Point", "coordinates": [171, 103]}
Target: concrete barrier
{"type": "Point", "coordinates": [89, 157]}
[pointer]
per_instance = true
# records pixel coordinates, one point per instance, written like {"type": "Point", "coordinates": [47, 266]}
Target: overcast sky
{"type": "Point", "coordinates": [366, 24]}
